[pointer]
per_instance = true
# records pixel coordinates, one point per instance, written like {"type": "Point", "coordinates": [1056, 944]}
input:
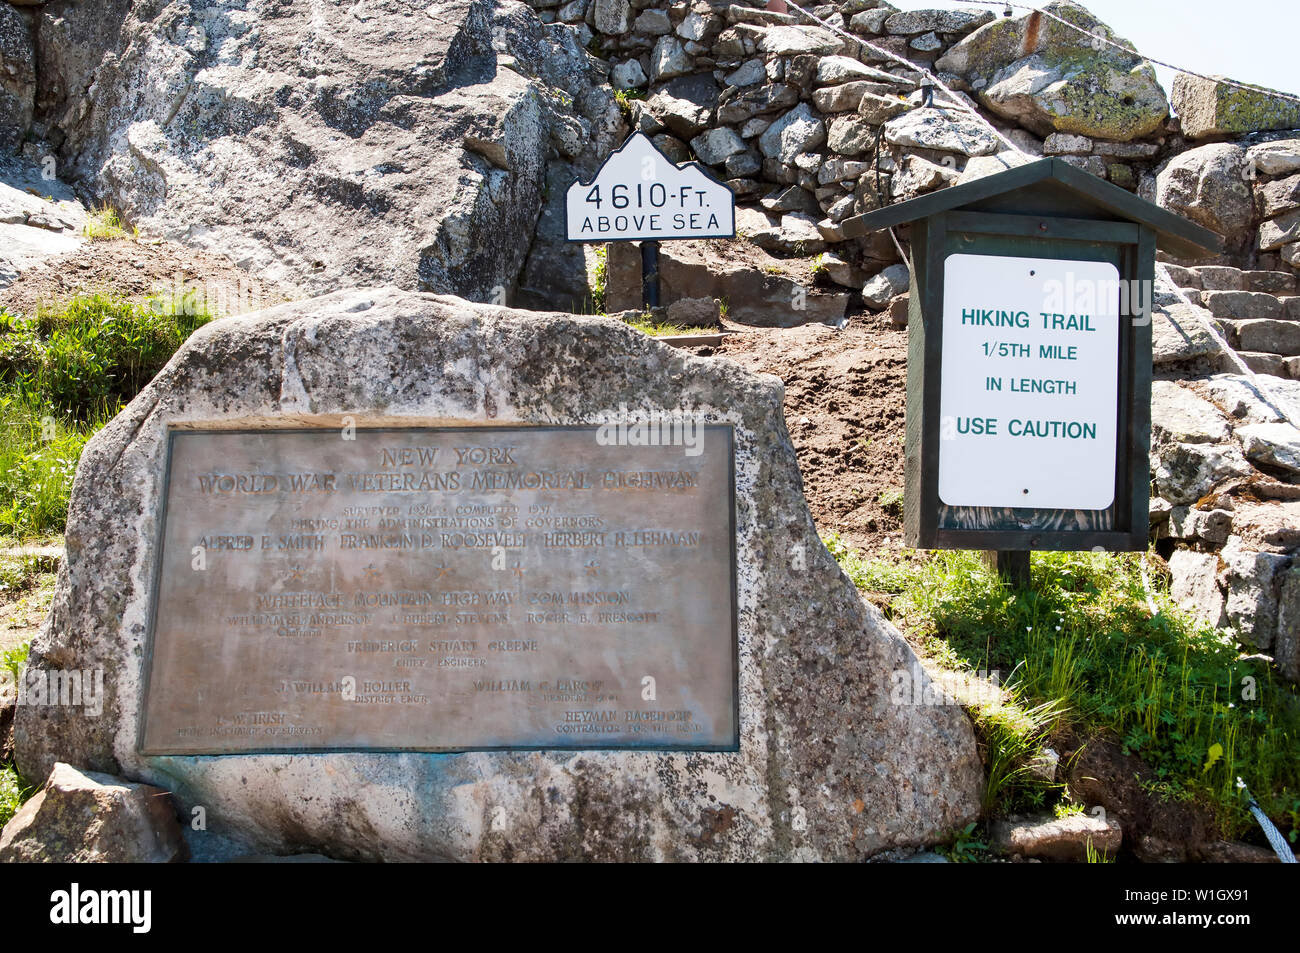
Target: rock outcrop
{"type": "Point", "coordinates": [86, 817]}
{"type": "Point", "coordinates": [830, 766]}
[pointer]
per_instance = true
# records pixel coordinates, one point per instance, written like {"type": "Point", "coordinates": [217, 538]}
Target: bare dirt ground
{"type": "Point", "coordinates": [845, 393]}
{"type": "Point", "coordinates": [139, 270]}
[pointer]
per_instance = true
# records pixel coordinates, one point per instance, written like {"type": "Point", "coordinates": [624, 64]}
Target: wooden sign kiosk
{"type": "Point", "coordinates": [1029, 360]}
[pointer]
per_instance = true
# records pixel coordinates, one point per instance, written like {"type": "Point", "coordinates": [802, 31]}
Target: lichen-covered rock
{"type": "Point", "coordinates": [1048, 77]}
{"type": "Point", "coordinates": [1207, 108]}
{"type": "Point", "coordinates": [942, 129]}
{"type": "Point", "coordinates": [1185, 472]}
{"type": "Point", "coordinates": [88, 817]}
{"type": "Point", "coordinates": [320, 147]}
{"type": "Point", "coordinates": [1207, 185]}
{"type": "Point", "coordinates": [17, 78]}
{"type": "Point", "coordinates": [830, 765]}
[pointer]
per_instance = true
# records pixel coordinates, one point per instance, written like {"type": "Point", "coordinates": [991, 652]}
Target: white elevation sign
{"type": "Point", "coordinates": [1029, 387]}
{"type": "Point", "coordinates": [640, 194]}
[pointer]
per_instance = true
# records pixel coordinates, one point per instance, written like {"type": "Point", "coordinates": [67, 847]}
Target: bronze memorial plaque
{"type": "Point", "coordinates": [445, 589]}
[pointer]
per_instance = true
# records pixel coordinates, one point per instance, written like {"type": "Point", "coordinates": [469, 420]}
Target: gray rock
{"type": "Point", "coordinates": [981, 166]}
{"type": "Point", "coordinates": [291, 168]}
{"type": "Point", "coordinates": [840, 270]}
{"type": "Point", "coordinates": [912, 22]}
{"type": "Point", "coordinates": [792, 198]}
{"type": "Point", "coordinates": [1207, 108]}
{"type": "Point", "coordinates": [843, 98]}
{"type": "Point", "coordinates": [1207, 186]}
{"type": "Point", "coordinates": [1178, 415]}
{"type": "Point", "coordinates": [17, 78]}
{"type": "Point", "coordinates": [819, 729]}
{"type": "Point", "coordinates": [1281, 196]}
{"type": "Point", "coordinates": [947, 130]}
{"type": "Point", "coordinates": [749, 73]}
{"type": "Point", "coordinates": [23, 243]}
{"type": "Point", "coordinates": [1047, 77]}
{"type": "Point", "coordinates": [613, 16]}
{"type": "Point", "coordinates": [1093, 165]}
{"type": "Point", "coordinates": [877, 292]}
{"type": "Point", "coordinates": [759, 292]}
{"type": "Point", "coordinates": [1241, 305]}
{"type": "Point", "coordinates": [1280, 231]}
{"type": "Point", "coordinates": [628, 75]}
{"type": "Point", "coordinates": [1064, 839]}
{"type": "Point", "coordinates": [1275, 337]}
{"type": "Point", "coordinates": [1178, 332]}
{"type": "Point", "coordinates": [797, 131]}
{"type": "Point", "coordinates": [1210, 526]}
{"type": "Point", "coordinates": [1219, 278]}
{"type": "Point", "coordinates": [669, 59]}
{"type": "Point", "coordinates": [653, 22]}
{"type": "Point", "coordinates": [694, 312]}
{"type": "Point", "coordinates": [1185, 472]}
{"type": "Point", "coordinates": [88, 817]}
{"type": "Point", "coordinates": [926, 43]}
{"type": "Point", "coordinates": [693, 27]}
{"type": "Point", "coordinates": [849, 135]}
{"type": "Point", "coordinates": [686, 105]}
{"type": "Point", "coordinates": [871, 22]}
{"type": "Point", "coordinates": [717, 145]}
{"type": "Point", "coordinates": [877, 109]}
{"type": "Point", "coordinates": [1277, 445]}
{"type": "Point", "coordinates": [1275, 158]}
{"type": "Point", "coordinates": [1270, 282]}
{"type": "Point", "coordinates": [792, 40]}
{"type": "Point", "coordinates": [1064, 144]}
{"type": "Point", "coordinates": [1194, 585]}
{"type": "Point", "coordinates": [1242, 399]}
{"type": "Point", "coordinates": [922, 175]}
{"type": "Point", "coordinates": [757, 101]}
{"type": "Point", "coordinates": [832, 70]}
{"type": "Point", "coordinates": [744, 163]}
{"type": "Point", "coordinates": [1286, 646]}
{"type": "Point", "coordinates": [1251, 580]}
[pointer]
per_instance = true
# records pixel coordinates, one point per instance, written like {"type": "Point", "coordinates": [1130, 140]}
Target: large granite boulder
{"type": "Point", "coordinates": [1208, 186]}
{"type": "Point", "coordinates": [1207, 108]}
{"type": "Point", "coordinates": [17, 78]}
{"type": "Point", "coordinates": [321, 146]}
{"type": "Point", "coordinates": [1050, 78]}
{"type": "Point", "coordinates": [84, 816]}
{"type": "Point", "coordinates": [833, 763]}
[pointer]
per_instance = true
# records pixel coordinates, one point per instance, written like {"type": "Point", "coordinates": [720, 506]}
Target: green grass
{"type": "Point", "coordinates": [87, 358]}
{"type": "Point", "coordinates": [63, 374]}
{"type": "Point", "coordinates": [1083, 640]}
{"type": "Point", "coordinates": [12, 794]}
{"type": "Point", "coordinates": [599, 278]}
{"type": "Point", "coordinates": [106, 223]}
{"type": "Point", "coordinates": [38, 458]}
{"type": "Point", "coordinates": [647, 325]}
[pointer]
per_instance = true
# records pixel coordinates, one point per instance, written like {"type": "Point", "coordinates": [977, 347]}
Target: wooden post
{"type": "Point", "coordinates": [1011, 564]}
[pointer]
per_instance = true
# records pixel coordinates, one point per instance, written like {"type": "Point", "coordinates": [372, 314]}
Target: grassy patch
{"type": "Point", "coordinates": [1083, 641]}
{"type": "Point", "coordinates": [12, 794]}
{"type": "Point", "coordinates": [106, 223]}
{"type": "Point", "coordinates": [92, 355]}
{"type": "Point", "coordinates": [63, 374]}
{"type": "Point", "coordinates": [599, 277]}
{"type": "Point", "coordinates": [647, 325]}
{"type": "Point", "coordinates": [38, 458]}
